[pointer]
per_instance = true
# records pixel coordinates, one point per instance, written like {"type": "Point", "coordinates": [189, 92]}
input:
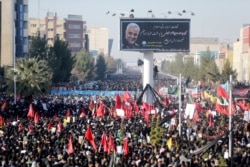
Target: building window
{"type": "Point", "coordinates": [50, 20]}
{"type": "Point", "coordinates": [74, 26]}
{"type": "Point", "coordinates": [32, 25]}
{"type": "Point", "coordinates": [25, 24]}
{"type": "Point", "coordinates": [20, 16]}
{"type": "Point", "coordinates": [60, 36]}
{"type": "Point", "coordinates": [50, 39]}
{"type": "Point", "coordinates": [25, 8]}
{"type": "Point", "coordinates": [74, 45]}
{"type": "Point", "coordinates": [50, 29]}
{"type": "Point", "coordinates": [59, 25]}
{"type": "Point", "coordinates": [42, 25]}
{"type": "Point", "coordinates": [20, 8]}
{"type": "Point", "coordinates": [21, 24]}
{"type": "Point", "coordinates": [75, 36]}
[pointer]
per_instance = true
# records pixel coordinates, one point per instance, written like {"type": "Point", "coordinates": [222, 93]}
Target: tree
{"type": "Point", "coordinates": [227, 71]}
{"type": "Point", "coordinates": [166, 66]}
{"type": "Point", "coordinates": [38, 47]}
{"type": "Point", "coordinates": [33, 77]}
{"type": "Point", "coordinates": [207, 67]}
{"type": "Point", "coordinates": [101, 67]}
{"type": "Point", "coordinates": [111, 64]}
{"type": "Point", "coordinates": [190, 70]}
{"type": "Point", "coordinates": [84, 66]}
{"type": "Point", "coordinates": [178, 64]}
{"type": "Point", "coordinates": [60, 61]}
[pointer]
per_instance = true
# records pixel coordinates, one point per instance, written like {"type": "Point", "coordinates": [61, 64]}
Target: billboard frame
{"type": "Point", "coordinates": [157, 35]}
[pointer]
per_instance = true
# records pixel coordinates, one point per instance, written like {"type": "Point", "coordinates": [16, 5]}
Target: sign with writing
{"type": "Point", "coordinates": [154, 34]}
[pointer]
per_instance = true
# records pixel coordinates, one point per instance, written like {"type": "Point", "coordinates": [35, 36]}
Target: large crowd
{"type": "Point", "coordinates": [55, 134]}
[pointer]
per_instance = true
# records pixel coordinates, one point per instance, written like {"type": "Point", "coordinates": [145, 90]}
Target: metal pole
{"type": "Point", "coordinates": [14, 62]}
{"type": "Point", "coordinates": [180, 105]}
{"type": "Point", "coordinates": [230, 123]}
{"type": "Point", "coordinates": [148, 59]}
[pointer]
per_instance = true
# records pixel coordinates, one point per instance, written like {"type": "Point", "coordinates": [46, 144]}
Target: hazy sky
{"type": "Point", "coordinates": [213, 18]}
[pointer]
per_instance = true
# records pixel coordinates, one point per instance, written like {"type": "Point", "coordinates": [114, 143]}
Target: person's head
{"type": "Point", "coordinates": [132, 32]}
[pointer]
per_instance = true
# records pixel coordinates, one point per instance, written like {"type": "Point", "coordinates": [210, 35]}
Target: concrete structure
{"type": "Point", "coordinates": [98, 40]}
{"type": "Point", "coordinates": [13, 30]}
{"type": "Point", "coordinates": [71, 29]}
{"type": "Point", "coordinates": [241, 60]}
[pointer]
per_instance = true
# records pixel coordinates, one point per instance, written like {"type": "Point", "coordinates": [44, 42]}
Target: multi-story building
{"type": "Point", "coordinates": [75, 28]}
{"type": "Point", "coordinates": [50, 27]}
{"type": "Point", "coordinates": [13, 30]}
{"type": "Point", "coordinates": [241, 54]}
{"type": "Point", "coordinates": [199, 46]}
{"type": "Point", "coordinates": [71, 29]}
{"type": "Point", "coordinates": [98, 40]}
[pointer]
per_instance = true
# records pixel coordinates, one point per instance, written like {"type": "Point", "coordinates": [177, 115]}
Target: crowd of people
{"type": "Point", "coordinates": [71, 131]}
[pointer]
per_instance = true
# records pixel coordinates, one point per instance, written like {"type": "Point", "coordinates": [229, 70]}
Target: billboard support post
{"type": "Point", "coordinates": [148, 59]}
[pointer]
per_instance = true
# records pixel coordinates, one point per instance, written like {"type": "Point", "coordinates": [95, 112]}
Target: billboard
{"type": "Point", "coordinates": [154, 34]}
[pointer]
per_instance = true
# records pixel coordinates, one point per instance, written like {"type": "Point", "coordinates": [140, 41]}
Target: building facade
{"type": "Point", "coordinates": [99, 40]}
{"type": "Point", "coordinates": [14, 30]}
{"type": "Point", "coordinates": [241, 58]}
{"type": "Point", "coordinates": [199, 47]}
{"type": "Point", "coordinates": [50, 27]}
{"type": "Point", "coordinates": [75, 29]}
{"type": "Point", "coordinates": [71, 29]}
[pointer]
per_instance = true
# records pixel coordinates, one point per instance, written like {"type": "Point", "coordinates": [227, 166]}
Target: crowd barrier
{"type": "Point", "coordinates": [89, 92]}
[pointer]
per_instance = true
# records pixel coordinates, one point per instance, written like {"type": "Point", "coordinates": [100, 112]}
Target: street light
{"type": "Point", "coordinates": [170, 12]}
{"type": "Point", "coordinates": [122, 14]}
{"type": "Point", "coordinates": [185, 11]}
{"type": "Point", "coordinates": [152, 14]}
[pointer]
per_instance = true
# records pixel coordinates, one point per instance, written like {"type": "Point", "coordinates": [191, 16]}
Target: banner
{"type": "Point", "coordinates": [89, 92]}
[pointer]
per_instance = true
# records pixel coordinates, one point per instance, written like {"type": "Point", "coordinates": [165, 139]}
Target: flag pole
{"type": "Point", "coordinates": [180, 105]}
{"type": "Point", "coordinates": [230, 123]}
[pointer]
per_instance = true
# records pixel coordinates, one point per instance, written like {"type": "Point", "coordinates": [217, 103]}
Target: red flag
{"type": "Point", "coordinates": [222, 92]}
{"type": "Point", "coordinates": [127, 96]}
{"type": "Point", "coordinates": [82, 115]}
{"type": "Point", "coordinates": [242, 105]}
{"type": "Point", "coordinates": [89, 136]}
{"type": "Point", "coordinates": [59, 127]}
{"type": "Point", "coordinates": [129, 113]}
{"type": "Point", "coordinates": [104, 142]}
{"type": "Point", "coordinates": [136, 108]}
{"type": "Point", "coordinates": [196, 117]}
{"type": "Point", "coordinates": [198, 107]}
{"type": "Point", "coordinates": [1, 120]}
{"type": "Point", "coordinates": [100, 110]}
{"type": "Point", "coordinates": [125, 147]}
{"type": "Point", "coordinates": [49, 126]}
{"type": "Point", "coordinates": [146, 106]}
{"type": "Point", "coordinates": [166, 102]}
{"type": "Point", "coordinates": [111, 144]}
{"type": "Point", "coordinates": [68, 113]}
{"type": "Point", "coordinates": [36, 118]}
{"type": "Point", "coordinates": [70, 145]}
{"type": "Point", "coordinates": [210, 119]}
{"type": "Point", "coordinates": [221, 109]}
{"type": "Point", "coordinates": [31, 112]}
{"type": "Point", "coordinates": [31, 128]}
{"type": "Point", "coordinates": [20, 127]}
{"type": "Point", "coordinates": [118, 102]}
